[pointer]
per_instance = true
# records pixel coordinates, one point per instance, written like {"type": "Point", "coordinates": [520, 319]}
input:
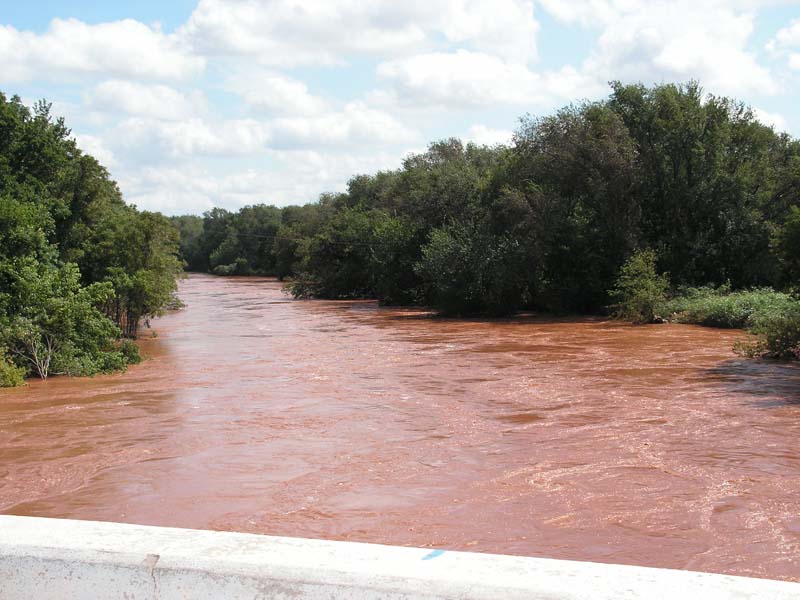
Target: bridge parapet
{"type": "Point", "coordinates": [59, 559]}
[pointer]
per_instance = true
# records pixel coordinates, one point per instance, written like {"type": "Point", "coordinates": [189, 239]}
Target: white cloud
{"type": "Point", "coordinates": [356, 123]}
{"type": "Point", "coordinates": [471, 79]}
{"type": "Point", "coordinates": [785, 40]}
{"type": "Point", "coordinates": [672, 40]}
{"type": "Point", "coordinates": [480, 134]}
{"type": "Point", "coordinates": [70, 49]}
{"type": "Point", "coordinates": [786, 37]}
{"type": "Point", "coordinates": [171, 189]}
{"type": "Point", "coordinates": [151, 140]}
{"type": "Point", "coordinates": [600, 13]}
{"type": "Point", "coordinates": [661, 43]}
{"type": "Point", "coordinates": [505, 28]}
{"type": "Point", "coordinates": [288, 133]}
{"type": "Point", "coordinates": [293, 32]}
{"type": "Point", "coordinates": [96, 147]}
{"type": "Point", "coordinates": [297, 177]}
{"type": "Point", "coordinates": [271, 92]}
{"type": "Point", "coordinates": [773, 119]}
{"type": "Point", "coordinates": [137, 99]}
{"type": "Point", "coordinates": [585, 12]}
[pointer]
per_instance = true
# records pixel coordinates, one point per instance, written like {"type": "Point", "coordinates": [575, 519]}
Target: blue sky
{"type": "Point", "coordinates": [196, 103]}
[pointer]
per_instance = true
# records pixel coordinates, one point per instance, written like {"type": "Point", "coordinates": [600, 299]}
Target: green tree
{"type": "Point", "coordinates": [52, 323]}
{"type": "Point", "coordinates": [787, 243]}
{"type": "Point", "coordinates": [70, 249]}
{"type": "Point", "coordinates": [338, 258]}
{"type": "Point", "coordinates": [639, 290]}
{"type": "Point", "coordinates": [466, 270]}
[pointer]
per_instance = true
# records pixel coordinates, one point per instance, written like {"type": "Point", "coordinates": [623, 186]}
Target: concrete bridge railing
{"type": "Point", "coordinates": [47, 559]}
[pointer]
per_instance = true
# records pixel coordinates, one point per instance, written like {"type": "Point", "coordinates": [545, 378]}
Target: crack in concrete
{"type": "Point", "coordinates": [150, 561]}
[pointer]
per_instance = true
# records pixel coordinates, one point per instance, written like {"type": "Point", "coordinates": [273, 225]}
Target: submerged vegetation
{"type": "Point", "coordinates": [640, 291]}
{"type": "Point", "coordinates": [654, 193]}
{"type": "Point", "coordinates": [721, 307]}
{"type": "Point", "coordinates": [79, 268]}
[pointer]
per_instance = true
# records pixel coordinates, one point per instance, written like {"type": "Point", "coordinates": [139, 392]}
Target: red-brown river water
{"type": "Point", "coordinates": [578, 439]}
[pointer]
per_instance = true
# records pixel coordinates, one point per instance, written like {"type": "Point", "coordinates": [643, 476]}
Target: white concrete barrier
{"type": "Point", "coordinates": [43, 559]}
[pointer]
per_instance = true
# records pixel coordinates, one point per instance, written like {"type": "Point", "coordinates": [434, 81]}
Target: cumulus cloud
{"type": "Point", "coordinates": [599, 13]}
{"type": "Point", "coordinates": [71, 48]}
{"type": "Point", "coordinates": [487, 136]}
{"type": "Point", "coordinates": [472, 79]}
{"type": "Point", "coordinates": [157, 101]}
{"type": "Point", "coordinates": [96, 147]}
{"type": "Point", "coordinates": [297, 177]}
{"type": "Point", "coordinates": [150, 140]}
{"type": "Point", "coordinates": [238, 105]}
{"type": "Point", "coordinates": [293, 32]}
{"type": "Point", "coordinates": [784, 41]}
{"type": "Point", "coordinates": [773, 119]}
{"type": "Point", "coordinates": [356, 123]}
{"type": "Point", "coordinates": [271, 92]}
{"type": "Point", "coordinates": [786, 37]}
{"type": "Point", "coordinates": [671, 40]}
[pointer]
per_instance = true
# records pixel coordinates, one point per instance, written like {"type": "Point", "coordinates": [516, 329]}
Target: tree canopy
{"type": "Point", "coordinates": [78, 266]}
{"type": "Point", "coordinates": [546, 222]}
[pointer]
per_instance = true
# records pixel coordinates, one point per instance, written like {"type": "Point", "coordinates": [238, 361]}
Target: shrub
{"type": "Point", "coordinates": [130, 352]}
{"type": "Point", "coordinates": [777, 334]}
{"type": "Point", "coordinates": [304, 286]}
{"type": "Point", "coordinates": [719, 307]}
{"type": "Point", "coordinates": [10, 374]}
{"type": "Point", "coordinates": [237, 267]}
{"type": "Point", "coordinates": [639, 290]}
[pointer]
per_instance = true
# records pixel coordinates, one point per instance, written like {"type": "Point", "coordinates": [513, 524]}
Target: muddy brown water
{"type": "Point", "coordinates": [588, 439]}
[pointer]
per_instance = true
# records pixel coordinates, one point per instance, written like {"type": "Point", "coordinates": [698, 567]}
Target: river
{"type": "Point", "coordinates": [579, 439]}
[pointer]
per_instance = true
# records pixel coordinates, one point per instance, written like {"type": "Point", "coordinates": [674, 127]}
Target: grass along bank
{"type": "Point", "coordinates": [643, 295]}
{"type": "Point", "coordinates": [773, 318]}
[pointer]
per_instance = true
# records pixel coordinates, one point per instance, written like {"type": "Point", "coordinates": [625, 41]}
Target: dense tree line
{"type": "Point", "coordinates": [79, 268]}
{"type": "Point", "coordinates": [545, 223]}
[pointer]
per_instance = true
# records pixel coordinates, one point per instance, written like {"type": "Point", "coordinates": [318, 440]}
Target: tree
{"type": "Point", "coordinates": [53, 324]}
{"type": "Point", "coordinates": [337, 259]}
{"type": "Point", "coordinates": [787, 243]}
{"type": "Point", "coordinates": [190, 232]}
{"type": "Point", "coordinates": [137, 253]}
{"type": "Point", "coordinates": [548, 222]}
{"type": "Point", "coordinates": [639, 289]}
{"type": "Point", "coordinates": [70, 248]}
{"type": "Point", "coordinates": [466, 270]}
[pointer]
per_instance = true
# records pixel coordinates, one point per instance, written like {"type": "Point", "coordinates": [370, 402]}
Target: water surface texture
{"type": "Point", "coordinates": [588, 440]}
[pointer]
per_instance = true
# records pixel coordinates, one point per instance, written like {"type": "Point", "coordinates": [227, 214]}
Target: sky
{"type": "Point", "coordinates": [193, 104]}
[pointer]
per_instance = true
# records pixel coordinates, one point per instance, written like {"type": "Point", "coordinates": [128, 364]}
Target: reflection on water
{"type": "Point", "coordinates": [585, 440]}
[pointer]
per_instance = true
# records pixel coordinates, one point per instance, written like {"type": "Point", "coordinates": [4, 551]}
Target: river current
{"type": "Point", "coordinates": [580, 439]}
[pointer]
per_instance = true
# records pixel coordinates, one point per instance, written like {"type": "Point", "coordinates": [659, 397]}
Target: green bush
{"type": "Point", "coordinates": [777, 334]}
{"type": "Point", "coordinates": [10, 374]}
{"type": "Point", "coordinates": [719, 307]}
{"type": "Point", "coordinates": [130, 352]}
{"type": "Point", "coordinates": [639, 290]}
{"type": "Point", "coordinates": [237, 267]}
{"type": "Point", "coordinates": [304, 286]}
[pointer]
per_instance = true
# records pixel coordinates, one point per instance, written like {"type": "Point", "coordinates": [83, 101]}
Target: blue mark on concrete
{"type": "Point", "coordinates": [433, 554]}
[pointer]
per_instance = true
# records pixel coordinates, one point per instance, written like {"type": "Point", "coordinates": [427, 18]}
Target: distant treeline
{"type": "Point", "coordinates": [79, 268]}
{"type": "Point", "coordinates": [545, 223]}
